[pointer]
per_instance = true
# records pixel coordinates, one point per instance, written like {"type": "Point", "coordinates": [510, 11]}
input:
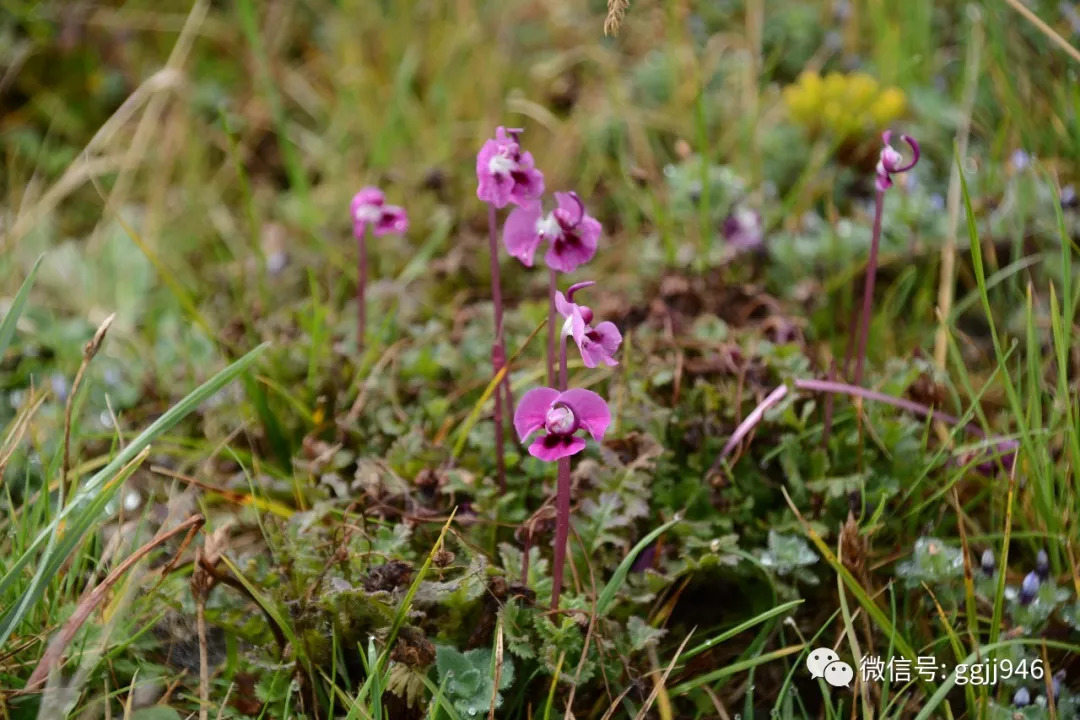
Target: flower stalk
{"type": "Point", "coordinates": [552, 289]}
{"type": "Point", "coordinates": [562, 501]}
{"type": "Point", "coordinates": [361, 289]}
{"type": "Point", "coordinates": [890, 162]}
{"type": "Point", "coordinates": [498, 353]}
{"type": "Point", "coordinates": [370, 212]}
{"type": "Point", "coordinates": [838, 388]}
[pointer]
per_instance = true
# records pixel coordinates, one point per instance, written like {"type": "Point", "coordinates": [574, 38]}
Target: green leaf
{"type": "Point", "coordinates": [607, 595]}
{"type": "Point", "coordinates": [469, 678]}
{"type": "Point", "coordinates": [155, 712]}
{"type": "Point", "coordinates": [642, 634]}
{"type": "Point", "coordinates": [7, 326]}
{"type": "Point", "coordinates": [67, 529]}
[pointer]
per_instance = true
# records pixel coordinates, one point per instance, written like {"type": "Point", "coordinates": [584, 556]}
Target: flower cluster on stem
{"type": "Point", "coordinates": [370, 211]}
{"type": "Point", "coordinates": [890, 162]}
{"type": "Point", "coordinates": [560, 417]}
{"type": "Point", "coordinates": [505, 174]}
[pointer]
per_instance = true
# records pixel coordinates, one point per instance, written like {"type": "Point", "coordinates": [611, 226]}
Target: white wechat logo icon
{"type": "Point", "coordinates": [824, 663]}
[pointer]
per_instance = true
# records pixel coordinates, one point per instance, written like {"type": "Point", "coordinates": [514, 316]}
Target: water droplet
{"type": "Point", "coordinates": [472, 711]}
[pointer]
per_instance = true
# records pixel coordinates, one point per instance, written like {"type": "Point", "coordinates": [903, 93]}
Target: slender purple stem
{"type": "Point", "coordinates": [562, 502]}
{"type": "Point", "coordinates": [834, 388]}
{"type": "Point", "coordinates": [552, 282]}
{"type": "Point", "coordinates": [562, 529]}
{"type": "Point", "coordinates": [500, 460]}
{"type": "Point", "coordinates": [361, 289]}
{"type": "Point", "coordinates": [868, 289]}
{"type": "Point", "coordinates": [498, 351]}
{"type": "Point", "coordinates": [751, 420]}
{"type": "Point", "coordinates": [839, 388]}
{"type": "Point", "coordinates": [562, 365]}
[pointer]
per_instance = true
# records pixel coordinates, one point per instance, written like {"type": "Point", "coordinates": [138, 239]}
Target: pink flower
{"type": "Point", "coordinates": [505, 174]}
{"type": "Point", "coordinates": [369, 208]}
{"type": "Point", "coordinates": [597, 344]}
{"type": "Point", "coordinates": [560, 415]}
{"type": "Point", "coordinates": [571, 234]}
{"type": "Point", "coordinates": [889, 162]}
{"type": "Point", "coordinates": [743, 231]}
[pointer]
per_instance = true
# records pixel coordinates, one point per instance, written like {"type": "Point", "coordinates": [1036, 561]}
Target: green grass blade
{"type": "Point", "coordinates": [708, 678]}
{"type": "Point", "coordinates": [741, 627]}
{"type": "Point", "coordinates": [7, 325]}
{"type": "Point", "coordinates": [980, 655]}
{"type": "Point", "coordinates": [403, 611]}
{"type": "Point", "coordinates": [85, 507]}
{"type": "Point", "coordinates": [607, 595]}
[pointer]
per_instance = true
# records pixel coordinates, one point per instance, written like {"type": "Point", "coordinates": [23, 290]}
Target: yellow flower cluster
{"type": "Point", "coordinates": [844, 105]}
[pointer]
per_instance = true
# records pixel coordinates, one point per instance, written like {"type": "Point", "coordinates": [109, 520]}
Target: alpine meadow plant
{"type": "Point", "coordinates": [562, 412]}
{"type": "Point", "coordinates": [370, 212]}
{"type": "Point", "coordinates": [890, 162]}
{"type": "Point", "coordinates": [597, 344]}
{"type": "Point", "coordinates": [505, 174]}
{"type": "Point", "coordinates": [571, 236]}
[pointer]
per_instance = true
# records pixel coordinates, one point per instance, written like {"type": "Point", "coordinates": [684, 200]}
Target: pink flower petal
{"type": "Point", "coordinates": [576, 247]}
{"type": "Point", "coordinates": [550, 448]}
{"type": "Point", "coordinates": [609, 337]}
{"type": "Point", "coordinates": [574, 314]}
{"type": "Point", "coordinates": [590, 410]}
{"type": "Point", "coordinates": [563, 306]}
{"type": "Point", "coordinates": [519, 233]}
{"type": "Point", "coordinates": [528, 181]}
{"type": "Point", "coordinates": [571, 207]}
{"type": "Point", "coordinates": [599, 344]}
{"type": "Point", "coordinates": [366, 197]}
{"type": "Point", "coordinates": [392, 220]}
{"type": "Point", "coordinates": [492, 187]}
{"type": "Point", "coordinates": [532, 409]}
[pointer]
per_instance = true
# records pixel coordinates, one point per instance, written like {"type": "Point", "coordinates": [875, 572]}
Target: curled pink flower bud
{"type": "Point", "coordinates": [891, 161]}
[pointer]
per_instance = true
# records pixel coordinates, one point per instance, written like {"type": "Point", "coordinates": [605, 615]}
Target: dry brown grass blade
{"type": "Point", "coordinates": [18, 428]}
{"type": "Point", "coordinates": [947, 270]}
{"type": "Point", "coordinates": [202, 582]}
{"type": "Point", "coordinates": [658, 686]}
{"type": "Point", "coordinates": [89, 351]}
{"type": "Point", "coordinates": [1045, 29]}
{"type": "Point", "coordinates": [90, 601]}
{"type": "Point", "coordinates": [498, 668]}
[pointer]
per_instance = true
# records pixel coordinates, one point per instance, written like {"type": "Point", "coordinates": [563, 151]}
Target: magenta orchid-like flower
{"type": "Point", "coordinates": [560, 415]}
{"type": "Point", "coordinates": [891, 161]}
{"type": "Point", "coordinates": [597, 344]}
{"type": "Point", "coordinates": [570, 232]}
{"type": "Point", "coordinates": [504, 173]}
{"type": "Point", "coordinates": [369, 208]}
{"type": "Point", "coordinates": [742, 230]}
